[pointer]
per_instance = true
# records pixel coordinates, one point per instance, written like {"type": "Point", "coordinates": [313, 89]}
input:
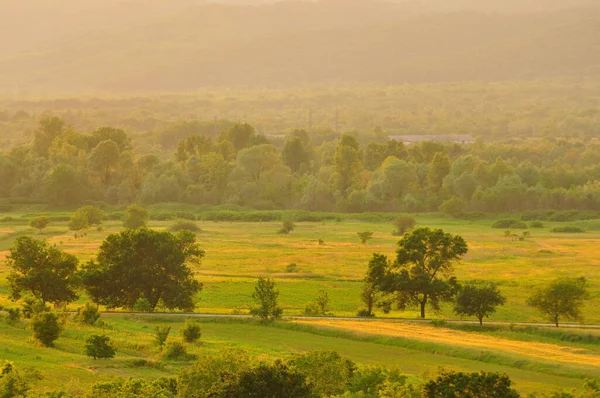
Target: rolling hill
{"type": "Point", "coordinates": [129, 47]}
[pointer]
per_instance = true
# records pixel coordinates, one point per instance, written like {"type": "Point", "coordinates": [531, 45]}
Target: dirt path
{"type": "Point", "coordinates": [545, 351]}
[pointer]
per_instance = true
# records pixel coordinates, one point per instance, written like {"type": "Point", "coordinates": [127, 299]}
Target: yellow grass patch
{"type": "Point", "coordinates": [547, 352]}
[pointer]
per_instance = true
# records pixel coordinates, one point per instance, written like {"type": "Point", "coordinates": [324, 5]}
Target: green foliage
{"type": "Point", "coordinates": [46, 328]}
{"type": "Point", "coordinates": [12, 384]}
{"type": "Point", "coordinates": [114, 278]}
{"type": "Point", "coordinates": [191, 332]}
{"type": "Point", "coordinates": [33, 306]}
{"type": "Point", "coordinates": [142, 304]}
{"type": "Point", "coordinates": [322, 302]}
{"type": "Point", "coordinates": [327, 372]}
{"type": "Point", "coordinates": [88, 314]}
{"type": "Point", "coordinates": [85, 217]}
{"type": "Point", "coordinates": [265, 297]}
{"type": "Point", "coordinates": [14, 314]}
{"type": "Point", "coordinates": [568, 229]}
{"type": "Point", "coordinates": [423, 270]}
{"type": "Point", "coordinates": [454, 206]}
{"type": "Point", "coordinates": [365, 236]}
{"type": "Point", "coordinates": [39, 223]}
{"type": "Point", "coordinates": [161, 333]}
{"type": "Point", "coordinates": [208, 375]}
{"type": "Point", "coordinates": [42, 270]}
{"type": "Point", "coordinates": [478, 300]}
{"type": "Point", "coordinates": [509, 223]}
{"type": "Point", "coordinates": [78, 222]}
{"type": "Point", "coordinates": [177, 352]}
{"type": "Point", "coordinates": [185, 225]}
{"type": "Point", "coordinates": [163, 387]}
{"type": "Point", "coordinates": [562, 298]}
{"type": "Point", "coordinates": [99, 347]}
{"type": "Point", "coordinates": [474, 385]}
{"type": "Point", "coordinates": [403, 224]}
{"type": "Point", "coordinates": [136, 217]}
{"type": "Point", "coordinates": [536, 224]}
{"type": "Point", "coordinates": [287, 227]}
{"type": "Point", "coordinates": [267, 381]}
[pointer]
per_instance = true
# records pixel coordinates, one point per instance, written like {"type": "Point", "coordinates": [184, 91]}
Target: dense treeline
{"type": "Point", "coordinates": [239, 166]}
{"type": "Point", "coordinates": [346, 173]}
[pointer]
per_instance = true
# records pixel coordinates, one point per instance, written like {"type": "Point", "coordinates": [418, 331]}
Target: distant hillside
{"type": "Point", "coordinates": [159, 46]}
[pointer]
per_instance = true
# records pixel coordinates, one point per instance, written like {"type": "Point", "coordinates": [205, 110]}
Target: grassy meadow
{"type": "Point", "coordinates": [238, 252]}
{"type": "Point", "coordinates": [536, 359]}
{"type": "Point", "coordinates": [66, 367]}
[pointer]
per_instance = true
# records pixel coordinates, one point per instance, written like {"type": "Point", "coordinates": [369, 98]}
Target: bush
{"type": "Point", "coordinates": [509, 223]}
{"type": "Point", "coordinates": [87, 314]}
{"type": "Point", "coordinates": [287, 227]}
{"type": "Point", "coordinates": [39, 223]}
{"type": "Point", "coordinates": [536, 224]}
{"type": "Point", "coordinates": [482, 384]}
{"type": "Point", "coordinates": [568, 229]}
{"type": "Point", "coordinates": [99, 347]}
{"type": "Point", "coordinates": [184, 225]}
{"type": "Point", "coordinates": [364, 313]}
{"type": "Point", "coordinates": [142, 304]}
{"type": "Point", "coordinates": [14, 314]}
{"type": "Point", "coordinates": [403, 224]}
{"type": "Point", "coordinates": [46, 328]}
{"type": "Point", "coordinates": [191, 332]}
{"type": "Point", "coordinates": [365, 236]}
{"type": "Point", "coordinates": [291, 268]}
{"type": "Point", "coordinates": [177, 352]}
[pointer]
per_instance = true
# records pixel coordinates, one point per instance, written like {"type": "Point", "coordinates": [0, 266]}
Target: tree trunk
{"type": "Point", "coordinates": [481, 321]}
{"type": "Point", "coordinates": [556, 321]}
{"type": "Point", "coordinates": [423, 309]}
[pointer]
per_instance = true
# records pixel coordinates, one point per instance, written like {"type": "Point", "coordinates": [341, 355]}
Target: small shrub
{"type": "Point", "coordinates": [321, 242]}
{"type": "Point", "coordinates": [99, 347]}
{"type": "Point", "coordinates": [161, 335]}
{"type": "Point", "coordinates": [286, 227]}
{"type": "Point", "coordinates": [191, 332]}
{"type": "Point", "coordinates": [403, 224]}
{"type": "Point", "coordinates": [509, 223]}
{"type": "Point", "coordinates": [365, 313]}
{"type": "Point", "coordinates": [365, 236]}
{"type": "Point", "coordinates": [142, 305]}
{"type": "Point", "coordinates": [568, 229]}
{"type": "Point", "coordinates": [87, 314]}
{"type": "Point", "coordinates": [176, 352]}
{"type": "Point", "coordinates": [311, 309]}
{"type": "Point", "coordinates": [46, 328]}
{"type": "Point", "coordinates": [39, 223]}
{"type": "Point", "coordinates": [291, 268]}
{"type": "Point", "coordinates": [184, 225]}
{"type": "Point", "coordinates": [536, 224]}
{"type": "Point", "coordinates": [14, 314]}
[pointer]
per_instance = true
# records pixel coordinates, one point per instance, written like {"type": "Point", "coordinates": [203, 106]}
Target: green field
{"type": "Point", "coordinates": [238, 252]}
{"type": "Point", "coordinates": [66, 367]}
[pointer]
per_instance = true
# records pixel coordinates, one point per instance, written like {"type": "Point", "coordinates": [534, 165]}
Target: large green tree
{"type": "Point", "coordinates": [145, 264]}
{"type": "Point", "coordinates": [562, 298]}
{"type": "Point", "coordinates": [478, 300]}
{"type": "Point", "coordinates": [46, 272]}
{"type": "Point", "coordinates": [422, 273]}
{"type": "Point", "coordinates": [265, 296]}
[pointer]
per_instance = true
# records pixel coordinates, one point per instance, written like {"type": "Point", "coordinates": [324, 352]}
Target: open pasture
{"type": "Point", "coordinates": [238, 252]}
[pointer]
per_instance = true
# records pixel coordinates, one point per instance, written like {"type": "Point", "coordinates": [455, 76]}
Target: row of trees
{"type": "Point", "coordinates": [240, 166]}
{"type": "Point", "coordinates": [140, 268]}
{"type": "Point", "coordinates": [136, 264]}
{"type": "Point", "coordinates": [422, 274]}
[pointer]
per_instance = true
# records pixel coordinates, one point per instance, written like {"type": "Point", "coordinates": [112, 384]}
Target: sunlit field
{"type": "Point", "coordinates": [239, 252]}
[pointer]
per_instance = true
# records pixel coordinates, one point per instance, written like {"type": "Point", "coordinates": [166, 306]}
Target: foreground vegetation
{"type": "Point", "coordinates": [66, 366]}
